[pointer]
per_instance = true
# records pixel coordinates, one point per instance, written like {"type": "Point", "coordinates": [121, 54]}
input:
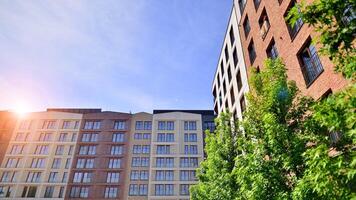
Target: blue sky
{"type": "Point", "coordinates": [121, 55]}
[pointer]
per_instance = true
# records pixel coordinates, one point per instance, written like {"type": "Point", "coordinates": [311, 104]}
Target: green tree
{"type": "Point", "coordinates": [215, 174]}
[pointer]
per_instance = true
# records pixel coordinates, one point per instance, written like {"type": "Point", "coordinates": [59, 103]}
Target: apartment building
{"type": "Point", "coordinates": [38, 159]}
{"type": "Point", "coordinates": [98, 169]}
{"type": "Point", "coordinates": [264, 33]}
{"type": "Point", "coordinates": [7, 124]}
{"type": "Point", "coordinates": [230, 81]}
{"type": "Point", "coordinates": [176, 151]}
{"type": "Point", "coordinates": [139, 150]}
{"type": "Point", "coordinates": [95, 154]}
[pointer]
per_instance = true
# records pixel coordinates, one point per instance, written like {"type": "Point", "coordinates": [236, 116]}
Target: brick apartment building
{"type": "Point", "coordinates": [264, 33]}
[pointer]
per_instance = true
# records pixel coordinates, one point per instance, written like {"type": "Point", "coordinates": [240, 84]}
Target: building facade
{"type": "Point", "coordinates": [38, 159]}
{"type": "Point", "coordinates": [230, 80]}
{"type": "Point", "coordinates": [264, 33]}
{"type": "Point", "coordinates": [94, 154]}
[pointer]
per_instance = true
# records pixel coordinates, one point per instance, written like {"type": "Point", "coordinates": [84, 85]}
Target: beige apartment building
{"type": "Point", "coordinates": [38, 159]}
{"type": "Point", "coordinates": [176, 151]}
{"type": "Point", "coordinates": [230, 81]}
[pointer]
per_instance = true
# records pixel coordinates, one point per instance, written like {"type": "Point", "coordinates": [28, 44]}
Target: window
{"type": "Point", "coordinates": [74, 137]}
{"type": "Point", "coordinates": [137, 149]}
{"type": "Point", "coordinates": [38, 163]}
{"type": "Point", "coordinates": [311, 65]}
{"type": "Point", "coordinates": [29, 191]}
{"type": "Point", "coordinates": [49, 192]}
{"type": "Point", "coordinates": [89, 137]}
{"type": "Point", "coordinates": [16, 149]}
{"type": "Point", "coordinates": [41, 150]}
{"type": "Point", "coordinates": [79, 192]}
{"type": "Point", "coordinates": [60, 150]}
{"type": "Point", "coordinates": [242, 4]}
{"type": "Point", "coordinates": [45, 137]}
{"type": "Point", "coordinates": [232, 96]}
{"type": "Point", "coordinates": [264, 24]}
{"type": "Point", "coordinates": [62, 137]}
{"type": "Point", "coordinates": [133, 190]}
{"type": "Point", "coordinates": [82, 177]}
{"type": "Point", "coordinates": [135, 175]}
{"type": "Point", "coordinates": [56, 163]}
{"type": "Point", "coordinates": [257, 3]}
{"type": "Point", "coordinates": [87, 150]}
{"type": "Point", "coordinates": [119, 125]}
{"type": "Point", "coordinates": [184, 189]}
{"type": "Point", "coordinates": [293, 28]}
{"type": "Point", "coordinates": [114, 163]}
{"type": "Point", "coordinates": [239, 81]}
{"type": "Point", "coordinates": [246, 26]}
{"type": "Point", "coordinates": [111, 192]}
{"type": "Point", "coordinates": [165, 162]}
{"type": "Point", "coordinates": [224, 87]}
{"type": "Point", "coordinates": [48, 124]}
{"type": "Point", "coordinates": [226, 54]}
{"type": "Point", "coordinates": [349, 15]}
{"type": "Point", "coordinates": [116, 150]}
{"type": "Point", "coordinates": [118, 137]}
{"type": "Point", "coordinates": [232, 37]}
{"type": "Point", "coordinates": [236, 60]}
{"type": "Point", "coordinates": [85, 163]}
{"type": "Point", "coordinates": [138, 136]}
{"type": "Point", "coordinates": [140, 162]}
{"type": "Point", "coordinates": [190, 125]}
{"type": "Point", "coordinates": [25, 125]}
{"type": "Point", "coordinates": [209, 125]}
{"type": "Point", "coordinates": [190, 137]}
{"type": "Point", "coordinates": [70, 151]}
{"type": "Point", "coordinates": [190, 149]}
{"type": "Point", "coordinates": [145, 149]}
{"type": "Point", "coordinates": [188, 162]}
{"type": "Point", "coordinates": [147, 125]}
{"type": "Point", "coordinates": [161, 125]}
{"type": "Point", "coordinates": [222, 71]}
{"type": "Point", "coordinates": [251, 52]}
{"type": "Point", "coordinates": [272, 50]}
{"type": "Point", "coordinates": [113, 177]}
{"type": "Point", "coordinates": [164, 175]}
{"type": "Point", "coordinates": [187, 175]}
{"type": "Point", "coordinates": [66, 125]}
{"type": "Point", "coordinates": [76, 124]}
{"type": "Point", "coordinates": [12, 162]}
{"type": "Point", "coordinates": [61, 192]}
{"type": "Point", "coordinates": [92, 125]}
{"type": "Point", "coordinates": [170, 125]}
{"type": "Point", "coordinates": [164, 189]}
{"type": "Point", "coordinates": [144, 175]}
{"type": "Point", "coordinates": [146, 136]}
{"type": "Point", "coordinates": [33, 177]}
{"type": "Point", "coordinates": [52, 177]}
{"type": "Point", "coordinates": [65, 177]}
{"type": "Point", "coordinates": [21, 137]}
{"type": "Point", "coordinates": [165, 137]}
{"type": "Point", "coordinates": [139, 125]}
{"type": "Point", "coordinates": [163, 149]}
{"type": "Point", "coordinates": [242, 104]}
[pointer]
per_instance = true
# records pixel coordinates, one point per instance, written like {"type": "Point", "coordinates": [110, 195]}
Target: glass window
{"type": "Point", "coordinates": [60, 150]}
{"type": "Point", "coordinates": [139, 125]}
{"type": "Point", "coordinates": [184, 189]}
{"type": "Point", "coordinates": [147, 125]}
{"type": "Point", "coordinates": [113, 177]}
{"type": "Point", "coordinates": [117, 150]}
{"type": "Point", "coordinates": [272, 50]}
{"type": "Point", "coordinates": [118, 137]}
{"type": "Point", "coordinates": [111, 192]}
{"type": "Point", "coordinates": [232, 36]}
{"type": "Point", "coordinates": [246, 26]}
{"type": "Point", "coordinates": [56, 163]}
{"type": "Point", "coordinates": [252, 52]}
{"type": "Point", "coordinates": [119, 125]}
{"type": "Point", "coordinates": [49, 192]}
{"type": "Point", "coordinates": [62, 137]}
{"type": "Point", "coordinates": [163, 149]}
{"type": "Point", "coordinates": [52, 177]}
{"type": "Point", "coordinates": [114, 163]}
{"type": "Point", "coordinates": [66, 125]}
{"type": "Point", "coordinates": [161, 125]}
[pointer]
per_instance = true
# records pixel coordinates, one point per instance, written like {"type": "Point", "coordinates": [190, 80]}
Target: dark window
{"type": "Point", "coordinates": [272, 50]}
{"type": "Point", "coordinates": [214, 93]}
{"type": "Point", "coordinates": [257, 69]}
{"type": "Point", "coordinates": [280, 1]}
{"type": "Point", "coordinates": [311, 65]}
{"type": "Point", "coordinates": [234, 56]}
{"type": "Point", "coordinates": [216, 108]}
{"type": "Point", "coordinates": [232, 95]}
{"type": "Point", "coordinates": [226, 105]}
{"type": "Point", "coordinates": [243, 104]}
{"type": "Point", "coordinates": [293, 28]}
{"type": "Point", "coordinates": [251, 52]}
{"type": "Point", "coordinates": [264, 24]}
{"type": "Point", "coordinates": [222, 68]}
{"type": "Point", "coordinates": [247, 27]}
{"type": "Point", "coordinates": [239, 81]}
{"type": "Point", "coordinates": [232, 37]}
{"type": "Point", "coordinates": [242, 4]}
{"type": "Point", "coordinates": [32, 191]}
{"type": "Point", "coordinates": [257, 3]}
{"type": "Point", "coordinates": [218, 77]}
{"type": "Point", "coordinates": [220, 99]}
{"type": "Point", "coordinates": [224, 87]}
{"type": "Point", "coordinates": [349, 15]}
{"type": "Point", "coordinates": [229, 73]}
{"type": "Point", "coordinates": [226, 53]}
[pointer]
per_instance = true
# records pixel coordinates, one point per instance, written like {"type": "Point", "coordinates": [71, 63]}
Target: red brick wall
{"type": "Point", "coordinates": [287, 47]}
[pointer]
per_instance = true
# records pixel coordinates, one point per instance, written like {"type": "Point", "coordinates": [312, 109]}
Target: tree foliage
{"type": "Point", "coordinates": [335, 21]}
